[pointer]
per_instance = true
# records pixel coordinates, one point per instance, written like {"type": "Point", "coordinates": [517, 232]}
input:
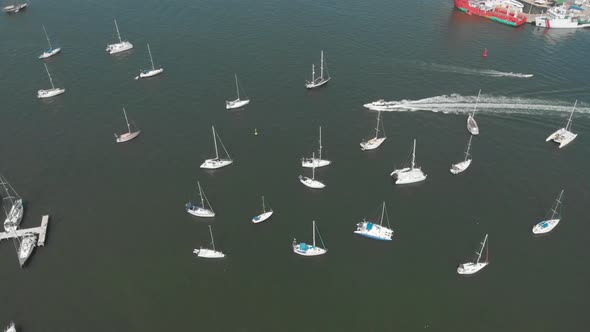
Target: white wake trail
{"type": "Point", "coordinates": [473, 71]}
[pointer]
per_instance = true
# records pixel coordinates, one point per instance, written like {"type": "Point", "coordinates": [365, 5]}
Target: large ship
{"type": "Point", "coordinates": [503, 11]}
{"type": "Point", "coordinates": [561, 17]}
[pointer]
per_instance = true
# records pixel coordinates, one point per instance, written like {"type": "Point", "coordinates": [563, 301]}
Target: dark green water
{"type": "Point", "coordinates": [119, 250]}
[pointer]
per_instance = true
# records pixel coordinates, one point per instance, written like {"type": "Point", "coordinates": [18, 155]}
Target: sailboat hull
{"type": "Point", "coordinates": [562, 137]}
{"type": "Point", "coordinates": [545, 226]}
{"type": "Point", "coordinates": [409, 176]}
{"type": "Point", "coordinates": [126, 137]}
{"type": "Point", "coordinates": [216, 163]}
{"type": "Point", "coordinates": [26, 248]}
{"type": "Point", "coordinates": [198, 211]}
{"type": "Point", "coordinates": [149, 73]}
{"type": "Point", "coordinates": [262, 217]}
{"type": "Point", "coordinates": [314, 162]}
{"type": "Point", "coordinates": [471, 268]}
{"type": "Point", "coordinates": [14, 217]}
{"type": "Point", "coordinates": [311, 183]}
{"type": "Point", "coordinates": [41, 94]}
{"type": "Point", "coordinates": [308, 250]}
{"type": "Point", "coordinates": [372, 144]}
{"type": "Point", "coordinates": [460, 167]}
{"type": "Point", "coordinates": [374, 231]}
{"type": "Point", "coordinates": [472, 125]}
{"type": "Point", "coordinates": [119, 47]}
{"type": "Point", "coordinates": [317, 83]}
{"type": "Point", "coordinates": [208, 253]}
{"type": "Point", "coordinates": [49, 53]}
{"type": "Point", "coordinates": [233, 104]}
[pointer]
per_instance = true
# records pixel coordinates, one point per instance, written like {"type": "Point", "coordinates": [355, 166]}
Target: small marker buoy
{"type": "Point", "coordinates": [255, 132]}
{"type": "Point", "coordinates": [485, 53]}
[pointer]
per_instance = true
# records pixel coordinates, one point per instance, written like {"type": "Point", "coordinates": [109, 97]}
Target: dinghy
{"type": "Point", "coordinates": [409, 174]}
{"type": "Point", "coordinates": [145, 73]}
{"type": "Point", "coordinates": [462, 166]}
{"type": "Point", "coordinates": [564, 136]}
{"type": "Point", "coordinates": [209, 253]}
{"type": "Point", "coordinates": [316, 82]}
{"type": "Point", "coordinates": [376, 141]}
{"type": "Point", "coordinates": [471, 124]}
{"type": "Point", "coordinates": [205, 211]}
{"type": "Point", "coordinates": [548, 225]}
{"type": "Point", "coordinates": [475, 266]}
{"type": "Point", "coordinates": [373, 230]}
{"type": "Point", "coordinates": [305, 249]}
{"type": "Point", "coordinates": [48, 93]}
{"type": "Point", "coordinates": [311, 182]}
{"type": "Point", "coordinates": [237, 103]}
{"type": "Point", "coordinates": [264, 215]}
{"type": "Point", "coordinates": [50, 51]}
{"type": "Point", "coordinates": [129, 135]}
{"type": "Point", "coordinates": [217, 162]}
{"type": "Point", "coordinates": [121, 46]}
{"type": "Point", "coordinates": [316, 162]}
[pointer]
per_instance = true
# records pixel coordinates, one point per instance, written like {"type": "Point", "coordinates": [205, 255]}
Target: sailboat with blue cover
{"type": "Point", "coordinates": [305, 249]}
{"type": "Point", "coordinates": [548, 225]}
{"type": "Point", "coordinates": [372, 230]}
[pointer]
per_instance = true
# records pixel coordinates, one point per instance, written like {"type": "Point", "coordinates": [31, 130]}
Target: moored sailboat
{"type": "Point", "coordinates": [51, 51]}
{"type": "Point", "coordinates": [471, 123]}
{"type": "Point", "coordinates": [264, 215]}
{"type": "Point", "coordinates": [209, 253]}
{"type": "Point", "coordinates": [305, 249]}
{"type": "Point", "coordinates": [475, 266]}
{"type": "Point", "coordinates": [49, 92]}
{"type": "Point", "coordinates": [129, 135]}
{"type": "Point", "coordinates": [15, 214]}
{"type": "Point", "coordinates": [546, 226]}
{"type": "Point", "coordinates": [409, 174]}
{"type": "Point", "coordinates": [316, 82]}
{"type": "Point", "coordinates": [15, 7]}
{"type": "Point", "coordinates": [11, 327]}
{"type": "Point", "coordinates": [311, 182]}
{"type": "Point", "coordinates": [462, 166]}
{"type": "Point", "coordinates": [316, 162]}
{"type": "Point", "coordinates": [376, 141]}
{"type": "Point", "coordinates": [217, 162]}
{"type": "Point", "coordinates": [26, 248]}
{"type": "Point", "coordinates": [205, 211]}
{"type": "Point", "coordinates": [145, 73]}
{"type": "Point", "coordinates": [237, 103]}
{"type": "Point", "coordinates": [564, 136]}
{"type": "Point", "coordinates": [121, 46]}
{"type": "Point", "coordinates": [376, 231]}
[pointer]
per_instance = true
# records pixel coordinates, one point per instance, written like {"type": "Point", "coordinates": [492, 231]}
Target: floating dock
{"type": "Point", "coordinates": [41, 232]}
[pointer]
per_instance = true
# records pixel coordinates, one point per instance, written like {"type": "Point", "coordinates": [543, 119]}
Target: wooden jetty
{"type": "Point", "coordinates": [41, 231]}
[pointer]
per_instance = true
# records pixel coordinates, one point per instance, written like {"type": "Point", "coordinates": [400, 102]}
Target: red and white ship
{"type": "Point", "coordinates": [503, 11]}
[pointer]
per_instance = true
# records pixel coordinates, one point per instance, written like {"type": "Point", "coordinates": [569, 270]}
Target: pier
{"type": "Point", "coordinates": [41, 232]}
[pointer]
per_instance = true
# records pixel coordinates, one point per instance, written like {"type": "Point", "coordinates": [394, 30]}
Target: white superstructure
{"type": "Point", "coordinates": [121, 46]}
{"type": "Point", "coordinates": [376, 231]}
{"type": "Point", "coordinates": [409, 174]}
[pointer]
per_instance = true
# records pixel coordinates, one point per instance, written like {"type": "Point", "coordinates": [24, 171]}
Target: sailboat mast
{"type": "Point", "coordinates": [313, 222]}
{"type": "Point", "coordinates": [382, 214]}
{"type": "Point", "coordinates": [320, 142]}
{"type": "Point", "coordinates": [118, 34]}
{"type": "Point", "coordinates": [215, 142]}
{"type": "Point", "coordinates": [126, 120]}
{"type": "Point", "coordinates": [312, 72]}
{"type": "Point", "coordinates": [468, 146]}
{"type": "Point", "coordinates": [414, 154]}
{"type": "Point", "coordinates": [377, 128]}
{"type": "Point", "coordinates": [557, 202]}
{"type": "Point", "coordinates": [50, 80]}
{"type": "Point", "coordinates": [47, 37]}
{"type": "Point", "coordinates": [483, 244]}
{"type": "Point", "coordinates": [151, 60]}
{"type": "Point", "coordinates": [237, 88]}
{"type": "Point", "coordinates": [201, 194]}
{"type": "Point", "coordinates": [212, 241]}
{"type": "Point", "coordinates": [313, 166]}
{"type": "Point", "coordinates": [322, 65]}
{"type": "Point", "coordinates": [263, 209]}
{"type": "Point", "coordinates": [569, 121]}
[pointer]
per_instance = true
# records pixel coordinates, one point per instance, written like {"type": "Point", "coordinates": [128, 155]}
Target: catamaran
{"type": "Point", "coordinates": [15, 7]}
{"type": "Point", "coordinates": [217, 162]}
{"type": "Point", "coordinates": [471, 124]}
{"type": "Point", "coordinates": [209, 253]}
{"type": "Point", "coordinates": [11, 327]}
{"type": "Point", "coordinates": [548, 225]}
{"type": "Point", "coordinates": [409, 174]}
{"type": "Point", "coordinates": [372, 230]}
{"type": "Point", "coordinates": [129, 135]}
{"type": "Point", "coordinates": [49, 92]}
{"type": "Point", "coordinates": [305, 249]}
{"type": "Point", "coordinates": [26, 248]}
{"type": "Point", "coordinates": [316, 162]}
{"type": "Point", "coordinates": [461, 166]}
{"type": "Point", "coordinates": [238, 102]}
{"type": "Point", "coordinates": [475, 266]}
{"type": "Point", "coordinates": [376, 141]}
{"type": "Point", "coordinates": [311, 182]}
{"type": "Point", "coordinates": [50, 51]}
{"type": "Point", "coordinates": [264, 215]}
{"type": "Point", "coordinates": [121, 46]}
{"type": "Point", "coordinates": [564, 136]}
{"type": "Point", "coordinates": [321, 80]}
{"type": "Point", "coordinates": [145, 73]}
{"type": "Point", "coordinates": [15, 214]}
{"type": "Point", "coordinates": [205, 211]}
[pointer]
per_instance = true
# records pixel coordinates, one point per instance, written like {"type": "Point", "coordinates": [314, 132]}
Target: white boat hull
{"type": "Point", "coordinates": [374, 231]}
{"type": "Point", "coordinates": [559, 23]}
{"type": "Point", "coordinates": [216, 163]}
{"type": "Point", "coordinates": [15, 216]}
{"type": "Point", "coordinates": [233, 104]}
{"type": "Point", "coordinates": [472, 125]}
{"type": "Point", "coordinates": [316, 84]}
{"type": "Point", "coordinates": [26, 248]}
{"type": "Point", "coordinates": [50, 53]}
{"type": "Point", "coordinates": [471, 268]}
{"type": "Point", "coordinates": [149, 73]}
{"type": "Point", "coordinates": [460, 167]}
{"type": "Point", "coordinates": [208, 253]}
{"type": "Point", "coordinates": [262, 217]}
{"type": "Point", "coordinates": [380, 105]}
{"type": "Point", "coordinates": [545, 226]}
{"type": "Point", "coordinates": [14, 8]}
{"type": "Point", "coordinates": [11, 328]}
{"type": "Point", "coordinates": [49, 93]}
{"type": "Point", "coordinates": [314, 162]}
{"type": "Point", "coordinates": [372, 144]}
{"type": "Point", "coordinates": [199, 211]}
{"type": "Point", "coordinates": [304, 249]}
{"type": "Point", "coordinates": [311, 183]}
{"type": "Point", "coordinates": [407, 175]}
{"type": "Point", "coordinates": [127, 136]}
{"type": "Point", "coordinates": [562, 136]}
{"type": "Point", "coordinates": [119, 47]}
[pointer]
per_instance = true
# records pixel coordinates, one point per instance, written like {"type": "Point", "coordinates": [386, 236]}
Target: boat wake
{"type": "Point", "coordinates": [473, 71]}
{"type": "Point", "coordinates": [458, 104]}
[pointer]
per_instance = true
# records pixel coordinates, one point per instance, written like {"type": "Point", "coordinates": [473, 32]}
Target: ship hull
{"type": "Point", "coordinates": [498, 14]}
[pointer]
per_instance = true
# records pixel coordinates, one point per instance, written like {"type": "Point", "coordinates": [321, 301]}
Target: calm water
{"type": "Point", "coordinates": [119, 252]}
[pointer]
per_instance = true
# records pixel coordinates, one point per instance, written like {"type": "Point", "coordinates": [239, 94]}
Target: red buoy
{"type": "Point", "coordinates": [485, 53]}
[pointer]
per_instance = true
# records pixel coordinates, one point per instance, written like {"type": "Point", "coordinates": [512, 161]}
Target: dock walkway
{"type": "Point", "coordinates": [41, 231]}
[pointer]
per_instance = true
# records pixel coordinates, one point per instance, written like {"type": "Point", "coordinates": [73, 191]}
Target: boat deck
{"type": "Point", "coordinates": [41, 231]}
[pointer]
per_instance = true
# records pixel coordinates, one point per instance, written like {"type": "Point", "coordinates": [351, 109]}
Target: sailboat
{"type": "Point", "coordinates": [461, 166]}
{"type": "Point", "coordinates": [121, 46]}
{"type": "Point", "coordinates": [409, 174]}
{"type": "Point", "coordinates": [564, 136]}
{"type": "Point", "coordinates": [475, 266]}
{"type": "Point", "coordinates": [321, 80]}
{"type": "Point", "coordinates": [50, 51]}
{"type": "Point", "coordinates": [15, 7]}
{"type": "Point", "coordinates": [49, 92]}
{"type": "Point", "coordinates": [217, 162]}
{"type": "Point", "coordinates": [129, 135]}
{"type": "Point", "coordinates": [312, 183]}
{"type": "Point", "coordinates": [209, 253]}
{"type": "Point", "coordinates": [205, 211]}
{"type": "Point", "coordinates": [15, 214]}
{"type": "Point", "coordinates": [149, 72]}
{"type": "Point", "coordinates": [316, 162]}
{"type": "Point", "coordinates": [548, 225]}
{"type": "Point", "coordinates": [26, 248]}
{"type": "Point", "coordinates": [471, 124]}
{"type": "Point", "coordinates": [372, 230]}
{"type": "Point", "coordinates": [238, 102]}
{"type": "Point", "coordinates": [305, 249]}
{"type": "Point", "coordinates": [264, 215]}
{"type": "Point", "coordinates": [376, 141]}
{"type": "Point", "coordinates": [11, 327]}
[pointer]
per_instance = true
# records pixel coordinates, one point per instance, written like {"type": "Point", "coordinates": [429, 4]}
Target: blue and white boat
{"type": "Point", "coordinates": [305, 249]}
{"type": "Point", "coordinates": [264, 215]}
{"type": "Point", "coordinates": [204, 211]}
{"type": "Point", "coordinates": [51, 51]}
{"type": "Point", "coordinates": [548, 225]}
{"type": "Point", "coordinates": [376, 231]}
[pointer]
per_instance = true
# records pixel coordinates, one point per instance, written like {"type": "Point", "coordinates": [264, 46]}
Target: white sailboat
{"type": "Point", "coordinates": [15, 215]}
{"type": "Point", "coordinates": [205, 211]}
{"type": "Point", "coordinates": [26, 248]}
{"type": "Point", "coordinates": [15, 7]}
{"type": "Point", "coordinates": [217, 162]}
{"type": "Point", "coordinates": [50, 51]}
{"type": "Point", "coordinates": [49, 92]}
{"type": "Point", "coordinates": [564, 136]}
{"type": "Point", "coordinates": [237, 103]}
{"type": "Point", "coordinates": [121, 46]}
{"type": "Point", "coordinates": [316, 162]}
{"type": "Point", "coordinates": [264, 215]}
{"type": "Point", "coordinates": [462, 166]}
{"type": "Point", "coordinates": [145, 73]}
{"type": "Point", "coordinates": [475, 266]}
{"type": "Point", "coordinates": [376, 231]}
{"type": "Point", "coordinates": [129, 135]}
{"type": "Point", "coordinates": [548, 225]}
{"type": "Point", "coordinates": [321, 80]}
{"type": "Point", "coordinates": [311, 182]}
{"type": "Point", "coordinates": [376, 141]}
{"type": "Point", "coordinates": [209, 253]}
{"type": "Point", "coordinates": [11, 327]}
{"type": "Point", "coordinates": [305, 249]}
{"type": "Point", "coordinates": [409, 174]}
{"type": "Point", "coordinates": [471, 124]}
